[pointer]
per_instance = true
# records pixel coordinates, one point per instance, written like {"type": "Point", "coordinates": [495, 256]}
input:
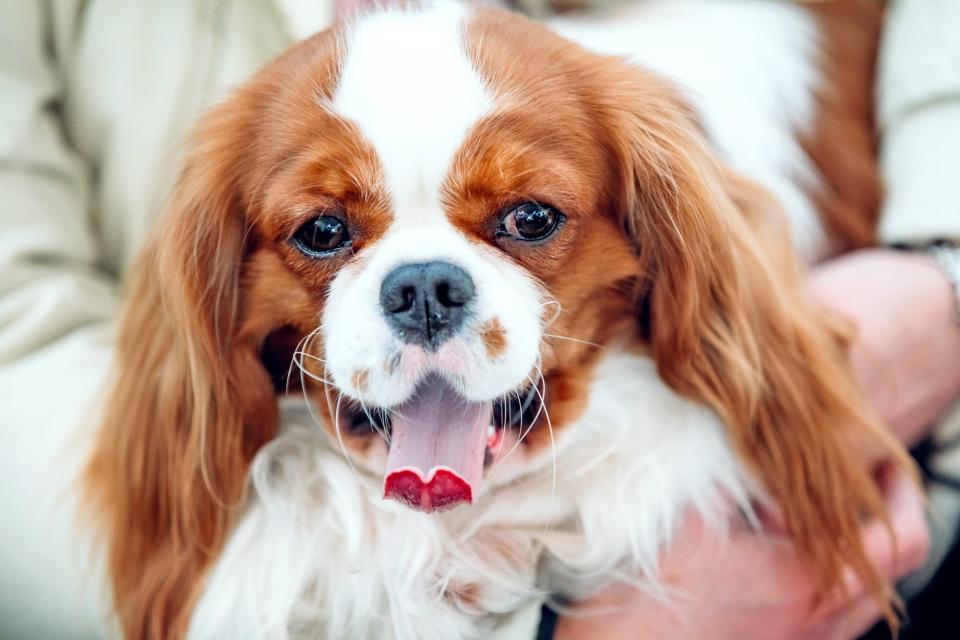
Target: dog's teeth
{"type": "Point", "coordinates": [492, 437]}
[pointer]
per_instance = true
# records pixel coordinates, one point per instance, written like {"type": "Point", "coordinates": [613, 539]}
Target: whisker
{"type": "Point", "coordinates": [343, 446]}
{"type": "Point", "coordinates": [523, 432]}
{"type": "Point", "coordinates": [553, 457]}
{"type": "Point", "coordinates": [312, 375]}
{"type": "Point", "coordinates": [384, 416]}
{"type": "Point", "coordinates": [526, 432]}
{"type": "Point", "coordinates": [302, 351]}
{"type": "Point", "coordinates": [326, 393]}
{"type": "Point", "coordinates": [293, 359]}
{"type": "Point", "coordinates": [505, 413]}
{"type": "Point", "coordinates": [304, 354]}
{"type": "Point", "coordinates": [509, 425]}
{"type": "Point", "coordinates": [536, 389]}
{"type": "Point", "coordinates": [577, 340]}
{"type": "Point", "coordinates": [373, 423]}
{"type": "Point", "coordinates": [548, 322]}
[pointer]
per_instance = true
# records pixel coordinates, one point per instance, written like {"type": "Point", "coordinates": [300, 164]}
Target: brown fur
{"type": "Point", "coordinates": [190, 407]}
{"type": "Point", "coordinates": [842, 143]}
{"type": "Point", "coordinates": [730, 326]}
{"type": "Point", "coordinates": [361, 379]}
{"type": "Point", "coordinates": [729, 322]}
{"type": "Point", "coordinates": [494, 338]}
{"type": "Point", "coordinates": [191, 402]}
{"type": "Point", "coordinates": [655, 228]}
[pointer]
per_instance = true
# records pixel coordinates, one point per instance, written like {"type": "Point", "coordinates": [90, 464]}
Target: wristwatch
{"type": "Point", "coordinates": [946, 254]}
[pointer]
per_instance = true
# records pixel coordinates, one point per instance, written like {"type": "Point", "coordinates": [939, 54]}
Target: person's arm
{"type": "Point", "coordinates": [903, 304]}
{"type": "Point", "coordinates": [905, 354]}
{"type": "Point", "coordinates": [919, 118]}
{"type": "Point", "coordinates": [907, 346]}
{"type": "Point", "coordinates": [50, 282]}
{"type": "Point", "coordinates": [55, 302]}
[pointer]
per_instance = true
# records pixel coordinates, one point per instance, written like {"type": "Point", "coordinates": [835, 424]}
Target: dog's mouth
{"type": "Point", "coordinates": [439, 443]}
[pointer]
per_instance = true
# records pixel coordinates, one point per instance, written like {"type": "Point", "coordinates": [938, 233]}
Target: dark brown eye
{"type": "Point", "coordinates": [530, 222]}
{"type": "Point", "coordinates": [321, 236]}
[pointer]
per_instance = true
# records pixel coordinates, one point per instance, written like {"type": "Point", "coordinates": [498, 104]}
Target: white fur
{"type": "Point", "coordinates": [749, 68]}
{"type": "Point", "coordinates": [410, 87]}
{"type": "Point", "coordinates": [318, 549]}
{"type": "Point", "coordinates": [358, 338]}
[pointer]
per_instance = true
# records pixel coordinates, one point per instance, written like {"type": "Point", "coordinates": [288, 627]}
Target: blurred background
{"type": "Point", "coordinates": [96, 100]}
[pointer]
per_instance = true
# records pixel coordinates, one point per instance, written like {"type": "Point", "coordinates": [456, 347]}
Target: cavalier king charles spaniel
{"type": "Point", "coordinates": [450, 310]}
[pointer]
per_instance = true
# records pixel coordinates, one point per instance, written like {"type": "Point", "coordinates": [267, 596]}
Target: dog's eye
{"type": "Point", "coordinates": [530, 222]}
{"type": "Point", "coordinates": [321, 236]}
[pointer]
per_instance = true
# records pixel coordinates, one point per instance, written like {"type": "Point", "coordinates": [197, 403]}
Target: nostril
{"type": "Point", "coordinates": [398, 298]}
{"type": "Point", "coordinates": [404, 302]}
{"type": "Point", "coordinates": [449, 296]}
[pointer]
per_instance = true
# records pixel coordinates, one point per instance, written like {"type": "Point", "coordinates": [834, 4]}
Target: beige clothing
{"type": "Point", "coordinates": [918, 101]}
{"type": "Point", "coordinates": [95, 98]}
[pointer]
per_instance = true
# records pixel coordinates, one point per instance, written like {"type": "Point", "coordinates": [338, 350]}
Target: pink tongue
{"type": "Point", "coordinates": [437, 448]}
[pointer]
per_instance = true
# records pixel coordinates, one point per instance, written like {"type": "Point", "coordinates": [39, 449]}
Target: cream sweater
{"type": "Point", "coordinates": [95, 97]}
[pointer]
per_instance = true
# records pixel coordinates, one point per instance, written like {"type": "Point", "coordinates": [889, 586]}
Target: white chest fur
{"type": "Point", "coordinates": [317, 548]}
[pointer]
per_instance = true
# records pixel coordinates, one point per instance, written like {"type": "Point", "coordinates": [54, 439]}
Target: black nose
{"type": "Point", "coordinates": [426, 303]}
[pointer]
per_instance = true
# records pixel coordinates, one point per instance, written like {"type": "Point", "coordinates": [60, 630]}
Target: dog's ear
{"type": "Point", "coordinates": [191, 402]}
{"type": "Point", "coordinates": [729, 325]}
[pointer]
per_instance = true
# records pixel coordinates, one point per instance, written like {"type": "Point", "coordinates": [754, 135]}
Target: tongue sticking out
{"type": "Point", "coordinates": [437, 448]}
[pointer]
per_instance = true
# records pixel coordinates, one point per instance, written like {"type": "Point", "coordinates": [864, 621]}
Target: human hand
{"type": "Point", "coordinates": [906, 347]}
{"type": "Point", "coordinates": [904, 352]}
{"type": "Point", "coordinates": [750, 585]}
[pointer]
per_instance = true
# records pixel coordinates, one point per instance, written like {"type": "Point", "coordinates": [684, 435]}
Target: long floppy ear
{"type": "Point", "coordinates": [191, 402]}
{"type": "Point", "coordinates": [729, 325]}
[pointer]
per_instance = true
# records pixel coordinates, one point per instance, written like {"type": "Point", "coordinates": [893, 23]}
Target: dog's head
{"type": "Point", "coordinates": [443, 217]}
{"type": "Point", "coordinates": [432, 217]}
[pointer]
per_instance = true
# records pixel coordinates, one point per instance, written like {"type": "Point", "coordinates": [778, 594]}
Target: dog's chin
{"type": "Point", "coordinates": [441, 445]}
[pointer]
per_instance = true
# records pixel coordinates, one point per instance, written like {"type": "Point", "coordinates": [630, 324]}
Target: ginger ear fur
{"type": "Point", "coordinates": [731, 326]}
{"type": "Point", "coordinates": [190, 402]}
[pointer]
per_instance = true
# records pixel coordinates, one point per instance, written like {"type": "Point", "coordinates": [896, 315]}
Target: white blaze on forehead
{"type": "Point", "coordinates": [409, 85]}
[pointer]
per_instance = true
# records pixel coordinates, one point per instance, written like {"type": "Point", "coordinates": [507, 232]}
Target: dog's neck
{"type": "Point", "coordinates": [318, 548]}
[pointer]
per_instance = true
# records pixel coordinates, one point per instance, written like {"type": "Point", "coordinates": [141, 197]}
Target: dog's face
{"type": "Point", "coordinates": [444, 217]}
{"type": "Point", "coordinates": [442, 212]}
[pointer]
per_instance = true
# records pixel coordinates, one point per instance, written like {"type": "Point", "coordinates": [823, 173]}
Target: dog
{"type": "Point", "coordinates": [451, 309]}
